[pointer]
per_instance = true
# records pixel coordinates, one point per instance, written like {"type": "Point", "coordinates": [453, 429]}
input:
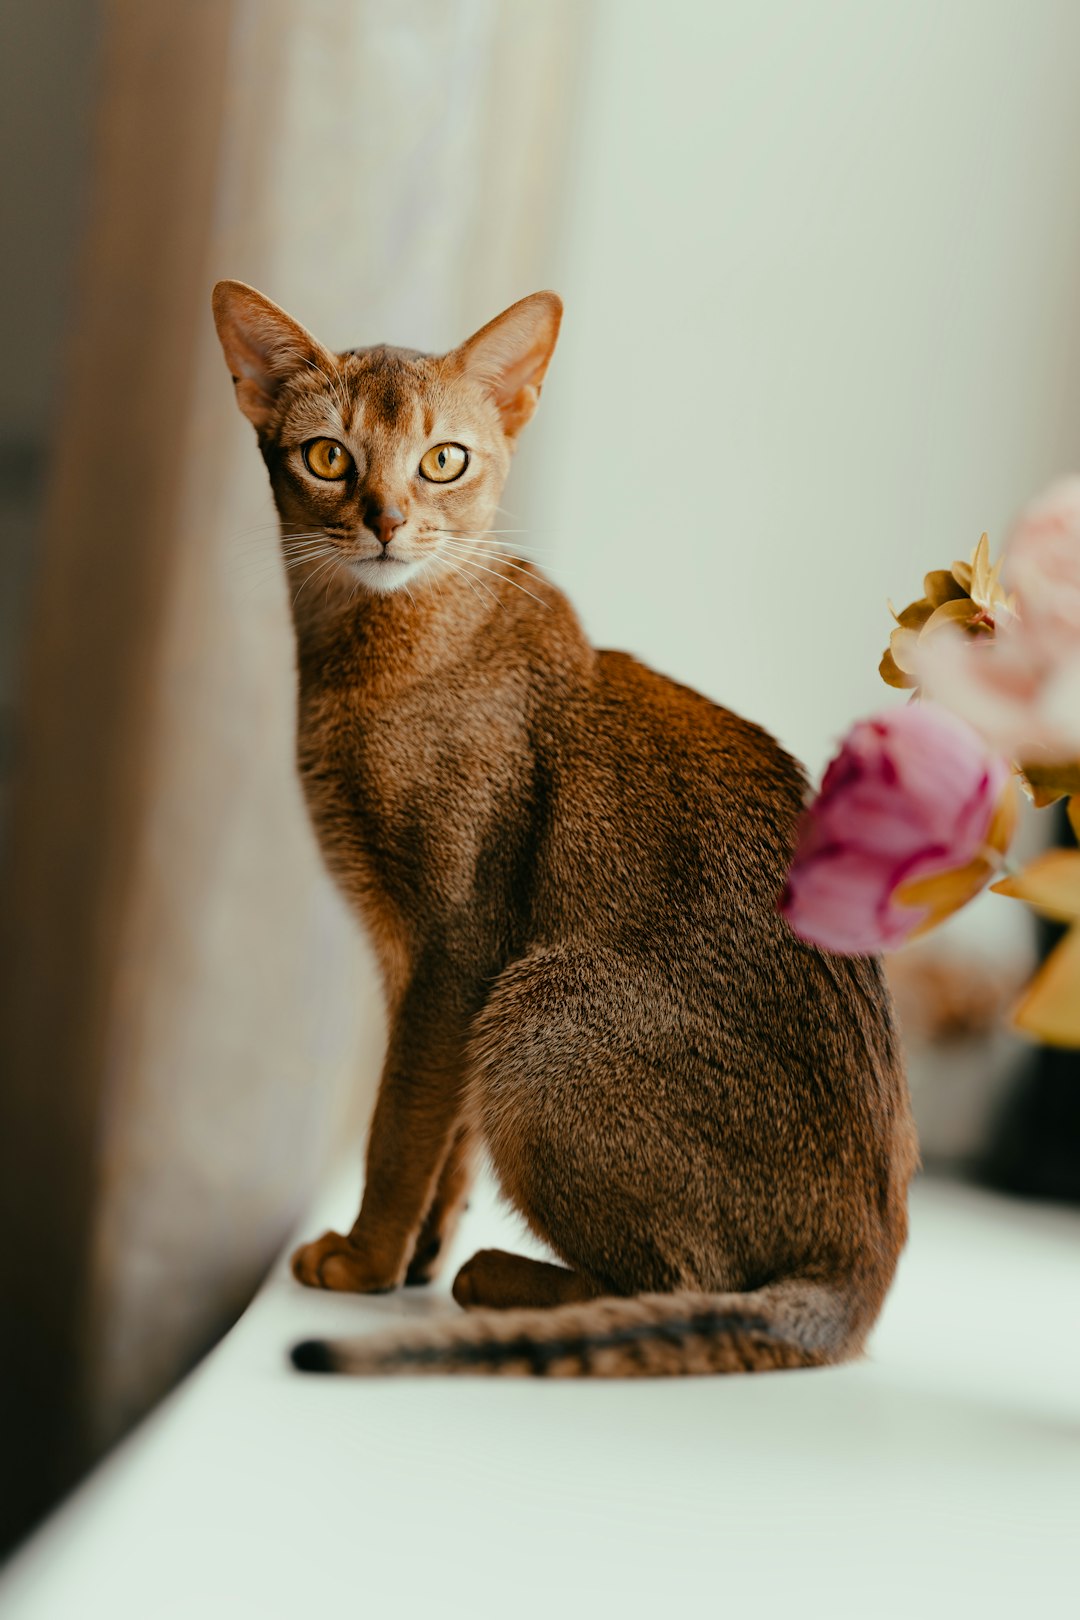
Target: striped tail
{"type": "Point", "coordinates": [649, 1336]}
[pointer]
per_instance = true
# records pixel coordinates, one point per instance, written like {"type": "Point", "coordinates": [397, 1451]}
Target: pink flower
{"type": "Point", "coordinates": [1025, 704]}
{"type": "Point", "coordinates": [912, 818]}
{"type": "Point", "coordinates": [1021, 687]}
{"type": "Point", "coordinates": [1042, 566]}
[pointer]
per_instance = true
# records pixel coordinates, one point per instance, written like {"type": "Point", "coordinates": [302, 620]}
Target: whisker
{"type": "Point", "coordinates": [472, 563]}
{"type": "Point", "coordinates": [508, 562]}
{"type": "Point", "coordinates": [478, 545]}
{"type": "Point", "coordinates": [479, 532]}
{"type": "Point", "coordinates": [305, 562]}
{"type": "Point", "coordinates": [352, 594]}
{"type": "Point", "coordinates": [472, 584]}
{"type": "Point", "coordinates": [311, 548]}
{"type": "Point", "coordinates": [299, 548]}
{"type": "Point", "coordinates": [255, 570]}
{"type": "Point", "coordinates": [495, 540]}
{"type": "Point", "coordinates": [236, 556]}
{"type": "Point", "coordinates": [264, 526]}
{"type": "Point", "coordinates": [326, 565]}
{"type": "Point", "coordinates": [295, 542]}
{"type": "Point", "coordinates": [267, 554]}
{"type": "Point", "coordinates": [513, 547]}
{"type": "Point", "coordinates": [315, 549]}
{"type": "Point", "coordinates": [294, 547]}
{"type": "Point", "coordinates": [464, 576]}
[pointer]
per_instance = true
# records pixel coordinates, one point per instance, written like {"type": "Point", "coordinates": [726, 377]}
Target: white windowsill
{"type": "Point", "coordinates": [939, 1476]}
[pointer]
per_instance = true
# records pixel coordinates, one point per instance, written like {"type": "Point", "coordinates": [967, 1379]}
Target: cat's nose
{"type": "Point", "coordinates": [384, 522]}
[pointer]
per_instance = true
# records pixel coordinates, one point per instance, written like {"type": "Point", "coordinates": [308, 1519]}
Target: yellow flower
{"type": "Point", "coordinates": [969, 595]}
{"type": "Point", "coordinates": [1050, 1006]}
{"type": "Point", "coordinates": [939, 896]}
{"type": "Point", "coordinates": [1045, 784]}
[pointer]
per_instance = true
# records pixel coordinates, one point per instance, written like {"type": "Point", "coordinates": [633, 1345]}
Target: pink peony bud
{"type": "Point", "coordinates": [911, 821]}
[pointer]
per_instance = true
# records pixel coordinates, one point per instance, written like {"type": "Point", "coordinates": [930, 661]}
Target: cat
{"type": "Point", "coordinates": [569, 868]}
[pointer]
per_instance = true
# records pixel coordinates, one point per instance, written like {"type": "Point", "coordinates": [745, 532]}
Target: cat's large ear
{"type": "Point", "coordinates": [263, 348]}
{"type": "Point", "coordinates": [510, 355]}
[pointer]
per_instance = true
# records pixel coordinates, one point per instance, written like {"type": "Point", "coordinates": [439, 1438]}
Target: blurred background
{"type": "Point", "coordinates": [822, 328]}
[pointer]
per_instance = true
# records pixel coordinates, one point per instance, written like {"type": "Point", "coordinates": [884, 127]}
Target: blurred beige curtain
{"type": "Point", "coordinates": [191, 1024]}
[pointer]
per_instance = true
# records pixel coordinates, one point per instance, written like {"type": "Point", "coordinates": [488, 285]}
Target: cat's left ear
{"type": "Point", "coordinates": [510, 355]}
{"type": "Point", "coordinates": [263, 348]}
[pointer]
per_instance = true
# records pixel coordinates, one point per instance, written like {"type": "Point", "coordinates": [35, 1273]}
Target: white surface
{"type": "Point", "coordinates": [941, 1476]}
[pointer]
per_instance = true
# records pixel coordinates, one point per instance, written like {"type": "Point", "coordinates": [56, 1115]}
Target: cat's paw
{"type": "Point", "coordinates": [334, 1261]}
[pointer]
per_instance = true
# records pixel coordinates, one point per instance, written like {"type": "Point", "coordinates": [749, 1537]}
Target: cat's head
{"type": "Point", "coordinates": [389, 454]}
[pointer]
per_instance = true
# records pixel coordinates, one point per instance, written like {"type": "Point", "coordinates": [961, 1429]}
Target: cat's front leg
{"type": "Point", "coordinates": [447, 1206]}
{"type": "Point", "coordinates": [412, 1130]}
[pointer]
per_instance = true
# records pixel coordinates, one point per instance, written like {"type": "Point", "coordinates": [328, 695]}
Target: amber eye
{"type": "Point", "coordinates": [327, 459]}
{"type": "Point", "coordinates": [443, 463]}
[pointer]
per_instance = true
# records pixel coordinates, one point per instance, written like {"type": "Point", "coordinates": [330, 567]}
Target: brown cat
{"type": "Point", "coordinates": [569, 866]}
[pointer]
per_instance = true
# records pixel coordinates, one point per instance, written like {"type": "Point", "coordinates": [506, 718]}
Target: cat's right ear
{"type": "Point", "coordinates": [263, 348]}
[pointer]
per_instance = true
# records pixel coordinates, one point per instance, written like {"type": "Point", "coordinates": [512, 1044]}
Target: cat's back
{"type": "Point", "coordinates": [688, 720]}
{"type": "Point", "coordinates": [690, 770]}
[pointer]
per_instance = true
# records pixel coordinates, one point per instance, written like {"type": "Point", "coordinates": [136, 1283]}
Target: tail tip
{"type": "Point", "coordinates": [312, 1356]}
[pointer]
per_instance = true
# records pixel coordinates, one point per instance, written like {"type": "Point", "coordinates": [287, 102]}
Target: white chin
{"type": "Point", "coordinates": [384, 574]}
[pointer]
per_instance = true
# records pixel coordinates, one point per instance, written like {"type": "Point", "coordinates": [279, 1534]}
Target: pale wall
{"type": "Point", "coordinates": [823, 327]}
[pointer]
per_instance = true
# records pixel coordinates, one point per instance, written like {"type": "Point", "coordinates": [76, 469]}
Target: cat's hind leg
{"type": "Point", "coordinates": [505, 1281]}
{"type": "Point", "coordinates": [571, 1083]}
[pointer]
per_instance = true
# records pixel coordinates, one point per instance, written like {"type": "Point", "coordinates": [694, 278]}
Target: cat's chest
{"type": "Point", "coordinates": [406, 792]}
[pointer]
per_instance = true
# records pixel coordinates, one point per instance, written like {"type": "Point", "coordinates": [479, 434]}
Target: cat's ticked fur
{"type": "Point", "coordinates": [569, 866]}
